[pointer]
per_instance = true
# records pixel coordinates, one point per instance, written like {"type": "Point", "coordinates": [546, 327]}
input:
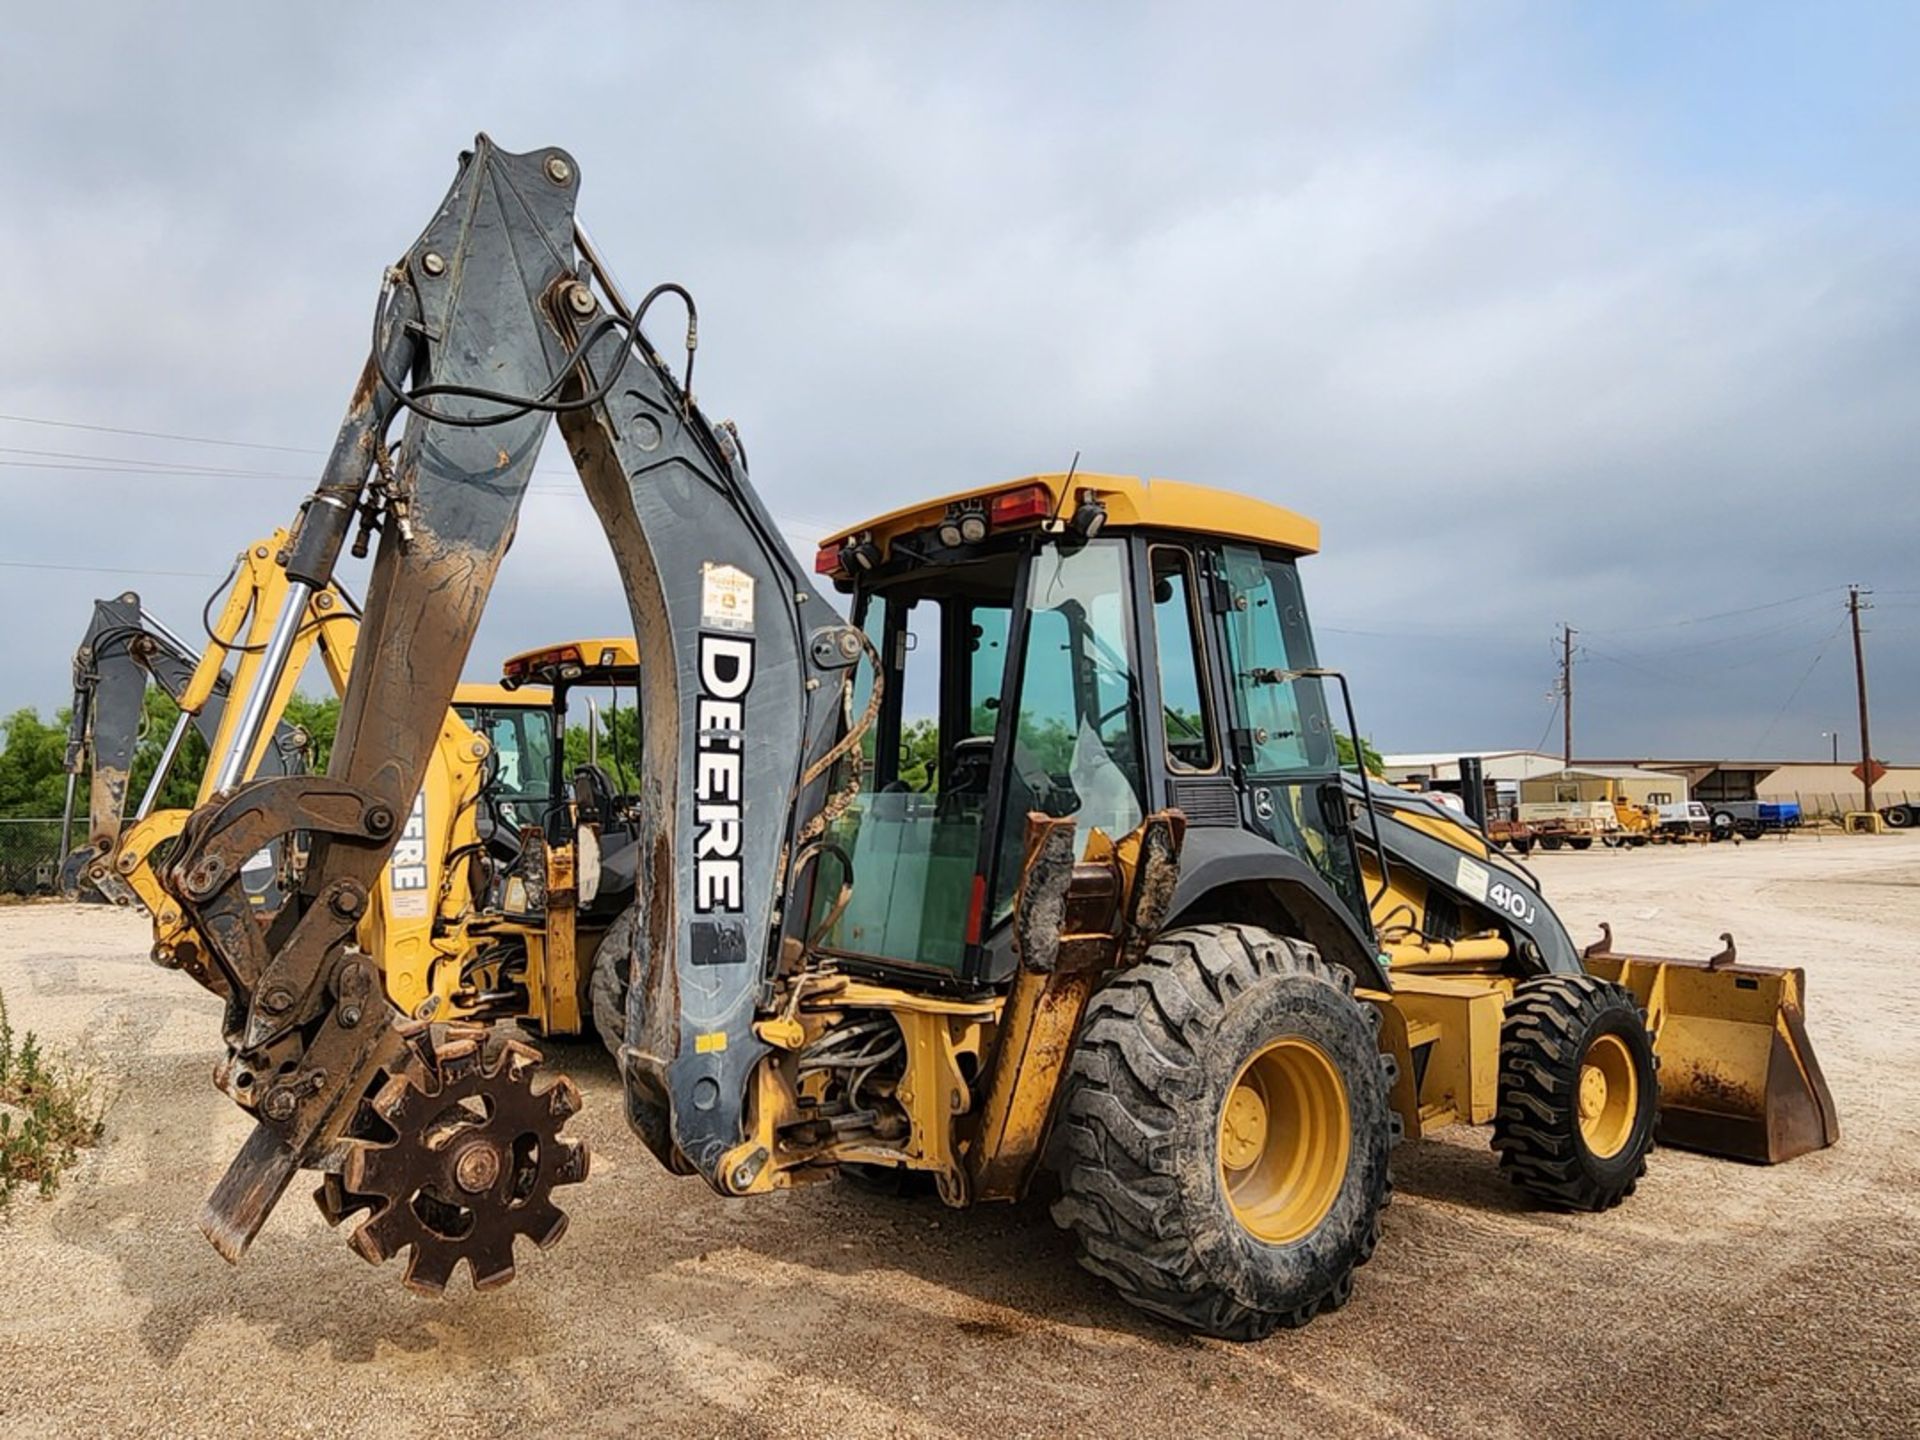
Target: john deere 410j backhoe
{"type": "Point", "coordinates": [1128, 922]}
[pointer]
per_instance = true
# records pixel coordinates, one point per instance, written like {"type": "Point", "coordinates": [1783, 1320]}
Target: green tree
{"type": "Point", "coordinates": [619, 745]}
{"type": "Point", "coordinates": [1375, 765]}
{"type": "Point", "coordinates": [321, 720]}
{"type": "Point", "coordinates": [33, 777]}
{"type": "Point", "coordinates": [182, 784]}
{"type": "Point", "coordinates": [920, 754]}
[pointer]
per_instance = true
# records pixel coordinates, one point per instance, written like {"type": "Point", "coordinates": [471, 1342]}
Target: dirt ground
{"type": "Point", "coordinates": [1722, 1299]}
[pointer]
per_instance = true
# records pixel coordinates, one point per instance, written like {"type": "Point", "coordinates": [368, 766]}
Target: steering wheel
{"type": "Point", "coordinates": [1039, 782]}
{"type": "Point", "coordinates": [933, 771]}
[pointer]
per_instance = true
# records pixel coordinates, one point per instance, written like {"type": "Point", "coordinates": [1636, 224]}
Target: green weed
{"type": "Point", "coordinates": [50, 1110]}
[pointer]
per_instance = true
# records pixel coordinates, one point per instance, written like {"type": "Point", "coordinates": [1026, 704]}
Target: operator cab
{"type": "Point", "coordinates": [1092, 646]}
{"type": "Point", "coordinates": [597, 790]}
{"type": "Point", "coordinates": [518, 730]}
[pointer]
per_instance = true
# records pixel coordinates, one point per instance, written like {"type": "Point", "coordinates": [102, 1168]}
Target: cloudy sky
{"type": "Point", "coordinates": [1604, 314]}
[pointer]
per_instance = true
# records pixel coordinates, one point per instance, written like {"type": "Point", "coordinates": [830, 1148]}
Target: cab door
{"type": "Point", "coordinates": [1281, 742]}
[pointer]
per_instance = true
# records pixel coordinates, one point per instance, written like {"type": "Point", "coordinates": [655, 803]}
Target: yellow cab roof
{"type": "Point", "coordinates": [597, 656]}
{"type": "Point", "coordinates": [499, 697]}
{"type": "Point", "coordinates": [1132, 503]}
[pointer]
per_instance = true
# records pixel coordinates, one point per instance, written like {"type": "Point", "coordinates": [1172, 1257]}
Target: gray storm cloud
{"type": "Point", "coordinates": [1425, 276]}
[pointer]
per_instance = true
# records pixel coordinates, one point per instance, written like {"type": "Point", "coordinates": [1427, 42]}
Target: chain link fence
{"type": "Point", "coordinates": [29, 856]}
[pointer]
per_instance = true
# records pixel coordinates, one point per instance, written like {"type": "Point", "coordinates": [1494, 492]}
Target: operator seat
{"type": "Point", "coordinates": [594, 796]}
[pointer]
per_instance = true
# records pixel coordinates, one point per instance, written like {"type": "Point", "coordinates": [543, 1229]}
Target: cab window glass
{"type": "Point", "coordinates": [1281, 720]}
{"type": "Point", "coordinates": [1076, 736]}
{"type": "Point", "coordinates": [986, 668]}
{"type": "Point", "coordinates": [1183, 678]}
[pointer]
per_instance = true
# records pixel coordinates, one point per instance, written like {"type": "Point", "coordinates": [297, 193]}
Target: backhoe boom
{"type": "Point", "coordinates": [491, 318]}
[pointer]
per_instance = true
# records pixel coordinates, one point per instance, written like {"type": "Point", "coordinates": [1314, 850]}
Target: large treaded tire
{"type": "Point", "coordinates": [1137, 1133]}
{"type": "Point", "coordinates": [607, 987]}
{"type": "Point", "coordinates": [1549, 1029]}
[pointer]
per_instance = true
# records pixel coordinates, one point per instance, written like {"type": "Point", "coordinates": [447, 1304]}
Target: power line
{"type": "Point", "coordinates": [1547, 729]}
{"type": "Point", "coordinates": [108, 570]}
{"type": "Point", "coordinates": [80, 462]}
{"type": "Point", "coordinates": [158, 435]}
{"type": "Point", "coordinates": [1694, 673]}
{"type": "Point", "coordinates": [1720, 615]}
{"type": "Point", "coordinates": [1799, 685]}
{"type": "Point", "coordinates": [155, 470]}
{"type": "Point", "coordinates": [1723, 641]}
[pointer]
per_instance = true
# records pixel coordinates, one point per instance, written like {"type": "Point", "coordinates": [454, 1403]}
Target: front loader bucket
{"type": "Point", "coordinates": [1738, 1075]}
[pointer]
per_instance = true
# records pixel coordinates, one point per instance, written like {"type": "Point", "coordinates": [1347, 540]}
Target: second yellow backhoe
{"type": "Point", "coordinates": [434, 918]}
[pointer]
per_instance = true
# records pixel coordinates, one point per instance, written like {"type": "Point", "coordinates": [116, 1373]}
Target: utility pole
{"type": "Point", "coordinates": [1860, 682]}
{"type": "Point", "coordinates": [1566, 687]}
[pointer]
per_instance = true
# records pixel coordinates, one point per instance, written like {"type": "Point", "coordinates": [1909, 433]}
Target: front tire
{"type": "Point", "coordinates": [1223, 1130]}
{"type": "Point", "coordinates": [1578, 1091]}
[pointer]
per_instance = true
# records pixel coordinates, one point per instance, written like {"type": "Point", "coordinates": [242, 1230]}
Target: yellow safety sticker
{"type": "Point", "coordinates": [711, 1041]}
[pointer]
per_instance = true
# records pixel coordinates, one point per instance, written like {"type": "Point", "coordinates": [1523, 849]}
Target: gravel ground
{"type": "Point", "coordinates": [1722, 1299]}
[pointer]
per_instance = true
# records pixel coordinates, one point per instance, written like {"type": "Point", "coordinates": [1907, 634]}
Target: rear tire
{"type": "Point", "coordinates": [1583, 842]}
{"type": "Point", "coordinates": [607, 989]}
{"type": "Point", "coordinates": [1579, 1091]}
{"type": "Point", "coordinates": [1899, 817]}
{"type": "Point", "coordinates": [1222, 1132]}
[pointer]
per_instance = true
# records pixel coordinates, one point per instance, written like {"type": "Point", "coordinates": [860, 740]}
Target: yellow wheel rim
{"type": "Point", "coordinates": [1284, 1141]}
{"type": "Point", "coordinates": [1609, 1096]}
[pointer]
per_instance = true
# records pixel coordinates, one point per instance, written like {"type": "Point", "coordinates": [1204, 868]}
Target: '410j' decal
{"type": "Point", "coordinates": [1516, 903]}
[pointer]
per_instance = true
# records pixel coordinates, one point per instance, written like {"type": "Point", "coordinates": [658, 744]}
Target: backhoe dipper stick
{"type": "Point", "coordinates": [310, 1032]}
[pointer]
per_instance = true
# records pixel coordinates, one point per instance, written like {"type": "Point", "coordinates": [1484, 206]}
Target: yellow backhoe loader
{"type": "Point", "coordinates": [1116, 920]}
{"type": "Point", "coordinates": [433, 916]}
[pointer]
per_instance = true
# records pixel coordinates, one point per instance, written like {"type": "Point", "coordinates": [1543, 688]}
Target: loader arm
{"type": "Point", "coordinates": [489, 324]}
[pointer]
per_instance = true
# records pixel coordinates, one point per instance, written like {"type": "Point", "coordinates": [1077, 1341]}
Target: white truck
{"type": "Point", "coordinates": [1684, 820]}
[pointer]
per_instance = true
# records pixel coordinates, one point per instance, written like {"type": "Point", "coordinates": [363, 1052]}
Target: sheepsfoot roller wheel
{"type": "Point", "coordinates": [461, 1154]}
{"type": "Point", "coordinates": [1223, 1130]}
{"type": "Point", "coordinates": [1578, 1091]}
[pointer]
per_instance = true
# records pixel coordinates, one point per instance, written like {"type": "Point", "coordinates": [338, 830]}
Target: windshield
{"type": "Point", "coordinates": [521, 762]}
{"type": "Point", "coordinates": [910, 840]}
{"type": "Point", "coordinates": [916, 837]}
{"type": "Point", "coordinates": [1076, 738]}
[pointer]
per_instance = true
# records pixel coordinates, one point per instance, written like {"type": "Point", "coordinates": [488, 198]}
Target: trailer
{"type": "Point", "coordinates": [1750, 819]}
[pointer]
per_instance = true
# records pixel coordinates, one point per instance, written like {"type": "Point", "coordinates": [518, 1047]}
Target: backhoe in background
{"type": "Point", "coordinates": [126, 648]}
{"type": "Point", "coordinates": [1124, 928]}
{"type": "Point", "coordinates": [435, 916]}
